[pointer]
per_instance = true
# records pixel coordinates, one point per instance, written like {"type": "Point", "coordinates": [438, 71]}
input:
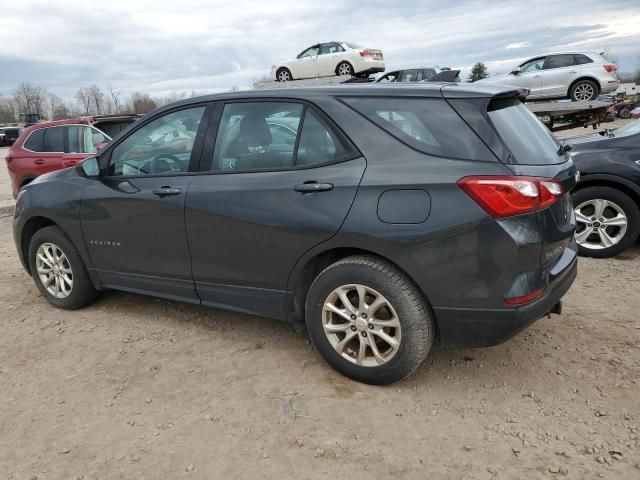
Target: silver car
{"type": "Point", "coordinates": [581, 76]}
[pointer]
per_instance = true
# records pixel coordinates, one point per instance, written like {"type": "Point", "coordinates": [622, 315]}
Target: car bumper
{"type": "Point", "coordinates": [609, 85]}
{"type": "Point", "coordinates": [484, 328]}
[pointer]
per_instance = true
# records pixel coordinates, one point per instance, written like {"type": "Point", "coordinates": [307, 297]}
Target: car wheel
{"type": "Point", "coordinates": [368, 320]}
{"type": "Point", "coordinates": [607, 221]}
{"type": "Point", "coordinates": [59, 271]}
{"type": "Point", "coordinates": [624, 113]}
{"type": "Point", "coordinates": [344, 68]}
{"type": "Point", "coordinates": [583, 91]}
{"type": "Point", "coordinates": [284, 75]}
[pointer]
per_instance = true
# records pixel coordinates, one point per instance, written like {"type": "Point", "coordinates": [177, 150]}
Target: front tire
{"type": "Point", "coordinates": [583, 91]}
{"type": "Point", "coordinates": [283, 75]}
{"type": "Point", "coordinates": [344, 68]}
{"type": "Point", "coordinates": [608, 221]}
{"type": "Point", "coordinates": [58, 270]}
{"type": "Point", "coordinates": [368, 320]}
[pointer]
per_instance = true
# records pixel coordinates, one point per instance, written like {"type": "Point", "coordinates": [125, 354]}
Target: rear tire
{"type": "Point", "coordinates": [54, 260]}
{"type": "Point", "coordinates": [616, 204]}
{"type": "Point", "coordinates": [583, 91]}
{"type": "Point", "coordinates": [344, 68]}
{"type": "Point", "coordinates": [624, 113]}
{"type": "Point", "coordinates": [385, 308]}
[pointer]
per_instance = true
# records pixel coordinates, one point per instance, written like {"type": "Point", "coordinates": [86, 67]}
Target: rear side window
{"type": "Point", "coordinates": [54, 139]}
{"type": "Point", "coordinates": [428, 125]}
{"type": "Point", "coordinates": [559, 61]}
{"type": "Point", "coordinates": [526, 137]}
{"type": "Point", "coordinates": [34, 142]}
{"type": "Point", "coordinates": [582, 59]}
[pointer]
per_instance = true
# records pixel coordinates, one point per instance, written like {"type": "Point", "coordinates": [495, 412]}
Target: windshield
{"type": "Point", "coordinates": [629, 129]}
{"type": "Point", "coordinates": [528, 139]}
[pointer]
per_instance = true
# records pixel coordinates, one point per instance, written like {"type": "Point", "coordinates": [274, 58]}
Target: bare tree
{"type": "Point", "coordinates": [30, 99]}
{"type": "Point", "coordinates": [96, 98]}
{"type": "Point", "coordinates": [142, 102]}
{"type": "Point", "coordinates": [115, 94]}
{"type": "Point", "coordinates": [7, 110]}
{"type": "Point", "coordinates": [82, 96]}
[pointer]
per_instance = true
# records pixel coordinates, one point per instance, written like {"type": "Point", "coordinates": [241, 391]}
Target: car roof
{"type": "Point", "coordinates": [434, 89]}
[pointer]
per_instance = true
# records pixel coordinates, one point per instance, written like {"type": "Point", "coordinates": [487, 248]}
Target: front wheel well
{"type": "Point", "coordinates": [28, 231]}
{"type": "Point", "coordinates": [317, 264]}
{"type": "Point", "coordinates": [591, 79]}
{"type": "Point", "coordinates": [598, 182]}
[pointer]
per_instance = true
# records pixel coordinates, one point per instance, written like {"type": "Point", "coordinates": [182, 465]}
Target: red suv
{"type": "Point", "coordinates": [55, 145]}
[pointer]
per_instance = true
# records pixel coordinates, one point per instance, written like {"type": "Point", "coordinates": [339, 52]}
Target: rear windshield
{"type": "Point", "coordinates": [526, 137]}
{"type": "Point", "coordinates": [429, 125]}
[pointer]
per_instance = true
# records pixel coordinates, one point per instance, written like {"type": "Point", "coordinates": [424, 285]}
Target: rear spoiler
{"type": "Point", "coordinates": [445, 76]}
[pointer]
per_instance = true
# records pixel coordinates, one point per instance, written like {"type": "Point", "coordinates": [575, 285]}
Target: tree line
{"type": "Point", "coordinates": [88, 100]}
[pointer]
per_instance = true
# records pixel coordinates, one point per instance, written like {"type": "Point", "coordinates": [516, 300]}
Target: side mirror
{"type": "Point", "coordinates": [90, 167]}
{"type": "Point", "coordinates": [100, 146]}
{"type": "Point", "coordinates": [516, 71]}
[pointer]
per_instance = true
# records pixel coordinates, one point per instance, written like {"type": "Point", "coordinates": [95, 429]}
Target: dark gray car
{"type": "Point", "coordinates": [382, 216]}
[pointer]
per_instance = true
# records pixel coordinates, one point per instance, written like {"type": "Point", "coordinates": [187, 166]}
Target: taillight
{"type": "Point", "coordinates": [9, 157]}
{"type": "Point", "coordinates": [524, 298]}
{"type": "Point", "coordinates": [610, 67]}
{"type": "Point", "coordinates": [507, 196]}
{"type": "Point", "coordinates": [367, 53]}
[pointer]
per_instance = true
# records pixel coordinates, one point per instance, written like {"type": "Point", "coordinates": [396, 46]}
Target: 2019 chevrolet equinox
{"type": "Point", "coordinates": [383, 216]}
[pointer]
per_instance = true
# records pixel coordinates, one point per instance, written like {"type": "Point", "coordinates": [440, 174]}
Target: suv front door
{"type": "Point", "coordinates": [529, 75]}
{"type": "Point", "coordinates": [266, 198]}
{"type": "Point", "coordinates": [133, 216]}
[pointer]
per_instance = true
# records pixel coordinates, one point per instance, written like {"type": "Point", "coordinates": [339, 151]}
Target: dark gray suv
{"type": "Point", "coordinates": [383, 216]}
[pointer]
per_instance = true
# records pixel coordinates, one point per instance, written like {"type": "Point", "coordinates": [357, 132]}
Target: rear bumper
{"type": "Point", "coordinates": [465, 327]}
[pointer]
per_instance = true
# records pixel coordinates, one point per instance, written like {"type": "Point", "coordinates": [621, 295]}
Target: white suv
{"type": "Point", "coordinates": [581, 76]}
{"type": "Point", "coordinates": [328, 59]}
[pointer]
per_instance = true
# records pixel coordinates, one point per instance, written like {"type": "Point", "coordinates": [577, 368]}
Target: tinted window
{"type": "Point", "coordinates": [409, 76]}
{"type": "Point", "coordinates": [257, 136]}
{"type": "Point", "coordinates": [428, 125]}
{"type": "Point", "coordinates": [162, 146]}
{"type": "Point", "coordinates": [428, 73]}
{"type": "Point", "coordinates": [34, 142]}
{"type": "Point", "coordinates": [526, 137]}
{"type": "Point", "coordinates": [318, 144]}
{"type": "Point", "coordinates": [559, 61]}
{"type": "Point", "coordinates": [582, 59]}
{"type": "Point", "coordinates": [54, 139]}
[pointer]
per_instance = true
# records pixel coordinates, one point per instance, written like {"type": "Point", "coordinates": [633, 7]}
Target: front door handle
{"type": "Point", "coordinates": [536, 76]}
{"type": "Point", "coordinates": [70, 163]}
{"type": "Point", "coordinates": [310, 187]}
{"type": "Point", "coordinates": [165, 191]}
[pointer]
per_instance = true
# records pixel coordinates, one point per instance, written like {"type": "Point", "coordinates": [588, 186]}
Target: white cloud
{"type": "Point", "coordinates": [518, 45]}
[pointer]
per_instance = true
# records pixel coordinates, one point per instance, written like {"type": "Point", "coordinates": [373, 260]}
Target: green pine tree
{"type": "Point", "coordinates": [478, 72]}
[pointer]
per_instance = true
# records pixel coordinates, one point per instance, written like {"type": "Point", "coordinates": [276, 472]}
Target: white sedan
{"type": "Point", "coordinates": [328, 59]}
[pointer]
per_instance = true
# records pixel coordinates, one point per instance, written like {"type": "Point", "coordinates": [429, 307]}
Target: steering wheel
{"type": "Point", "coordinates": [165, 163]}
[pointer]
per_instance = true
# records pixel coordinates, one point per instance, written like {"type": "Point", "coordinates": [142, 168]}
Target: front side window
{"type": "Point", "coordinates": [35, 141]}
{"type": "Point", "coordinates": [532, 65]}
{"type": "Point", "coordinates": [83, 139]}
{"type": "Point", "coordinates": [310, 52]}
{"type": "Point", "coordinates": [409, 76]}
{"type": "Point", "coordinates": [559, 61]}
{"type": "Point", "coordinates": [529, 141]}
{"type": "Point", "coordinates": [54, 139]}
{"type": "Point", "coordinates": [163, 146]}
{"type": "Point", "coordinates": [428, 125]}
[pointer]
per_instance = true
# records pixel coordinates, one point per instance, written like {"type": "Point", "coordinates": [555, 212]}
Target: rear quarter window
{"type": "Point", "coordinates": [428, 125]}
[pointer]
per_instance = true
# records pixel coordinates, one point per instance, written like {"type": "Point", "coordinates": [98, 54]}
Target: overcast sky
{"type": "Point", "coordinates": [160, 46]}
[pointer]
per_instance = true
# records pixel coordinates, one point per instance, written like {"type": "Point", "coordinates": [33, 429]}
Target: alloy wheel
{"type": "Point", "coordinates": [54, 270]}
{"type": "Point", "coordinates": [600, 224]}
{"type": "Point", "coordinates": [284, 76]}
{"type": "Point", "coordinates": [361, 325]}
{"type": "Point", "coordinates": [344, 69]}
{"type": "Point", "coordinates": [584, 92]}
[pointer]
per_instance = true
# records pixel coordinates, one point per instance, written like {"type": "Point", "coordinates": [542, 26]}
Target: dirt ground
{"type": "Point", "coordinates": [135, 387]}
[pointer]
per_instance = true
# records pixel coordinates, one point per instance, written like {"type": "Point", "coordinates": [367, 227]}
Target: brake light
{"type": "Point", "coordinates": [525, 298]}
{"type": "Point", "coordinates": [367, 53]}
{"type": "Point", "coordinates": [610, 67]}
{"type": "Point", "coordinates": [8, 158]}
{"type": "Point", "coordinates": [507, 196]}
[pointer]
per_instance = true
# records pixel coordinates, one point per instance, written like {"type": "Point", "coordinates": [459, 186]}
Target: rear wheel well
{"type": "Point", "coordinates": [321, 261]}
{"type": "Point", "coordinates": [28, 231]}
{"type": "Point", "coordinates": [353, 70]}
{"type": "Point", "coordinates": [609, 183]}
{"type": "Point", "coordinates": [26, 181]}
{"type": "Point", "coordinates": [591, 79]}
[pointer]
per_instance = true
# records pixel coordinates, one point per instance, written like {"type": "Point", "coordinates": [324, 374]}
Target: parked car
{"type": "Point", "coordinates": [393, 215]}
{"type": "Point", "coordinates": [328, 59]}
{"type": "Point", "coordinates": [8, 135]}
{"type": "Point", "coordinates": [2, 137]}
{"type": "Point", "coordinates": [607, 199]}
{"type": "Point", "coordinates": [412, 74]}
{"type": "Point", "coordinates": [46, 147]}
{"type": "Point", "coordinates": [580, 76]}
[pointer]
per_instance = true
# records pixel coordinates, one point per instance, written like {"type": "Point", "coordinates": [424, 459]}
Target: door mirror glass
{"type": "Point", "coordinates": [91, 167]}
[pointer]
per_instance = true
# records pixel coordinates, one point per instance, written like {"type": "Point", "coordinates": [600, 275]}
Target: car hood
{"type": "Point", "coordinates": [581, 139]}
{"type": "Point", "coordinates": [48, 177]}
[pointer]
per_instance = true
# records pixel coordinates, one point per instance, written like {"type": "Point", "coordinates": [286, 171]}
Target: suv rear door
{"type": "Point", "coordinates": [558, 72]}
{"type": "Point", "coordinates": [264, 198]}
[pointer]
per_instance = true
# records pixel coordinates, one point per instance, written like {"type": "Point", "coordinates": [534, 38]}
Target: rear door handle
{"type": "Point", "coordinates": [70, 163]}
{"type": "Point", "coordinates": [166, 191]}
{"type": "Point", "coordinates": [536, 76]}
{"type": "Point", "coordinates": [309, 187]}
{"type": "Point", "coordinates": [39, 161]}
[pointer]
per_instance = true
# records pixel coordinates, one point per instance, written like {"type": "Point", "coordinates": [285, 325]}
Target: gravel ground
{"type": "Point", "coordinates": [135, 387]}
